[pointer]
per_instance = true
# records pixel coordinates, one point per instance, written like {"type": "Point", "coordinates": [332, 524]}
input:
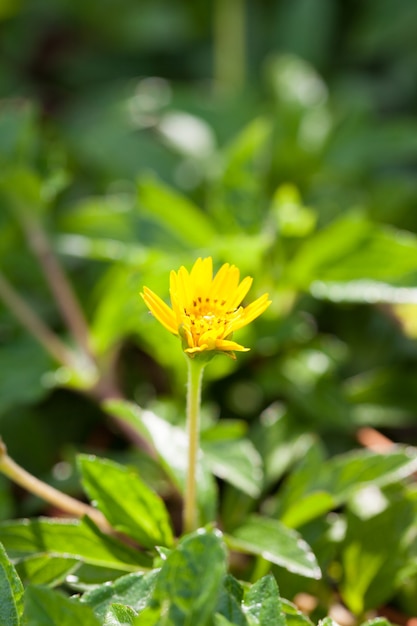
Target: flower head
{"type": "Point", "coordinates": [206, 310]}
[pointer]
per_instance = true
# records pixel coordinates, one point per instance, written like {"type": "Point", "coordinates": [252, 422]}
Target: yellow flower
{"type": "Point", "coordinates": [205, 310]}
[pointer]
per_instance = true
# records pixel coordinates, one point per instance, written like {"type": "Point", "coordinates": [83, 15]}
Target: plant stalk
{"type": "Point", "coordinates": [62, 501]}
{"type": "Point", "coordinates": [195, 377]}
{"type": "Point", "coordinates": [229, 44]}
{"type": "Point", "coordinates": [60, 287]}
{"type": "Point", "coordinates": [52, 344]}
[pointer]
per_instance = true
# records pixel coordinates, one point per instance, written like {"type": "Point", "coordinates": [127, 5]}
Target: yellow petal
{"type": "Point", "coordinates": [251, 312]}
{"type": "Point", "coordinates": [241, 292]}
{"type": "Point", "coordinates": [160, 310]}
{"type": "Point", "coordinates": [201, 276]}
{"type": "Point", "coordinates": [226, 345]}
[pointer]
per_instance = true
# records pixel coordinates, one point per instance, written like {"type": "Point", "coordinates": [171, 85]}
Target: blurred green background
{"type": "Point", "coordinates": [277, 135]}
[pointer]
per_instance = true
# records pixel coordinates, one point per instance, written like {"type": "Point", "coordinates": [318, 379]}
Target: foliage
{"type": "Point", "coordinates": [121, 161]}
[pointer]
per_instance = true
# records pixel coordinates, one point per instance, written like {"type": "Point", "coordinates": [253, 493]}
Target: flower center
{"type": "Point", "coordinates": [206, 315]}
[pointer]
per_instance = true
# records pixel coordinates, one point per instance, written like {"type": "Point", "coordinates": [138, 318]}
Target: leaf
{"type": "Point", "coordinates": [351, 248]}
{"type": "Point", "coordinates": [220, 620]}
{"type": "Point", "coordinates": [100, 218]}
{"type": "Point", "coordinates": [240, 184]}
{"type": "Point", "coordinates": [188, 134]}
{"type": "Point", "coordinates": [263, 603]}
{"type": "Point", "coordinates": [229, 604]}
{"type": "Point", "coordinates": [170, 443]}
{"type": "Point", "coordinates": [339, 478]}
{"type": "Point", "coordinates": [116, 317]}
{"type": "Point", "coordinates": [280, 442]}
{"type": "Point", "coordinates": [310, 507]}
{"type": "Point", "coordinates": [133, 589]}
{"type": "Point", "coordinates": [45, 569]}
{"type": "Point", "coordinates": [175, 212]}
{"type": "Point", "coordinates": [237, 462]}
{"type": "Point", "coordinates": [375, 550]}
{"type": "Point", "coordinates": [292, 218]}
{"type": "Point", "coordinates": [151, 616]}
{"type": "Point", "coordinates": [276, 543]}
{"type": "Point", "coordinates": [293, 616]}
{"type": "Point", "coordinates": [11, 592]}
{"type": "Point", "coordinates": [126, 501]}
{"type": "Point", "coordinates": [189, 581]}
{"type": "Point", "coordinates": [80, 540]}
{"type": "Point", "coordinates": [363, 290]}
{"type": "Point", "coordinates": [119, 615]}
{"type": "Point", "coordinates": [44, 607]}
{"type": "Point", "coordinates": [23, 190]}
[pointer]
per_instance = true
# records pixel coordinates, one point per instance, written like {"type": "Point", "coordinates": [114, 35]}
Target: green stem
{"type": "Point", "coordinates": [229, 44]}
{"type": "Point", "coordinates": [62, 501]}
{"type": "Point", "coordinates": [195, 377]}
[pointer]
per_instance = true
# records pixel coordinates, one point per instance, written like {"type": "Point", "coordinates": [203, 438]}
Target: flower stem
{"type": "Point", "coordinates": [229, 44]}
{"type": "Point", "coordinates": [62, 501]}
{"type": "Point", "coordinates": [195, 377]}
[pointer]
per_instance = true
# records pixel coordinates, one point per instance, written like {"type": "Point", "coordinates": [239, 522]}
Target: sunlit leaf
{"type": "Point", "coordinates": [175, 212]}
{"type": "Point", "coordinates": [276, 543]}
{"type": "Point", "coordinates": [69, 539]}
{"type": "Point", "coordinates": [132, 589]}
{"type": "Point", "coordinates": [188, 583]}
{"type": "Point", "coordinates": [126, 501]}
{"type": "Point", "coordinates": [263, 603]}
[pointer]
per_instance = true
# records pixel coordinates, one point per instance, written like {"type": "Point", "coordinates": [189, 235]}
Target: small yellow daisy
{"type": "Point", "coordinates": [206, 310]}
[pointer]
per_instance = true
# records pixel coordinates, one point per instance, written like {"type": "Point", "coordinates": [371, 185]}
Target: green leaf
{"type": "Point", "coordinates": [229, 604]}
{"type": "Point", "coordinates": [11, 592]}
{"type": "Point", "coordinates": [170, 443]}
{"type": "Point", "coordinates": [23, 190]}
{"type": "Point", "coordinates": [292, 218]}
{"type": "Point", "coordinates": [80, 540]}
{"type": "Point", "coordinates": [126, 501]}
{"type": "Point", "coordinates": [119, 615]}
{"type": "Point", "coordinates": [45, 569]}
{"type": "Point", "coordinates": [375, 550]}
{"type": "Point", "coordinates": [107, 217]}
{"type": "Point", "coordinates": [175, 212]}
{"type": "Point", "coordinates": [275, 543]}
{"type": "Point", "coordinates": [263, 603]}
{"type": "Point", "coordinates": [189, 581]}
{"type": "Point", "coordinates": [116, 317]}
{"type": "Point", "coordinates": [363, 291]}
{"type": "Point", "coordinates": [236, 461]}
{"type": "Point", "coordinates": [220, 620]}
{"type": "Point", "coordinates": [310, 507]}
{"type": "Point", "coordinates": [293, 616]}
{"type": "Point", "coordinates": [151, 616]}
{"type": "Point", "coordinates": [351, 248]}
{"type": "Point", "coordinates": [241, 181]}
{"type": "Point", "coordinates": [339, 478]}
{"type": "Point", "coordinates": [44, 607]}
{"type": "Point", "coordinates": [280, 442]}
{"type": "Point", "coordinates": [132, 589]}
